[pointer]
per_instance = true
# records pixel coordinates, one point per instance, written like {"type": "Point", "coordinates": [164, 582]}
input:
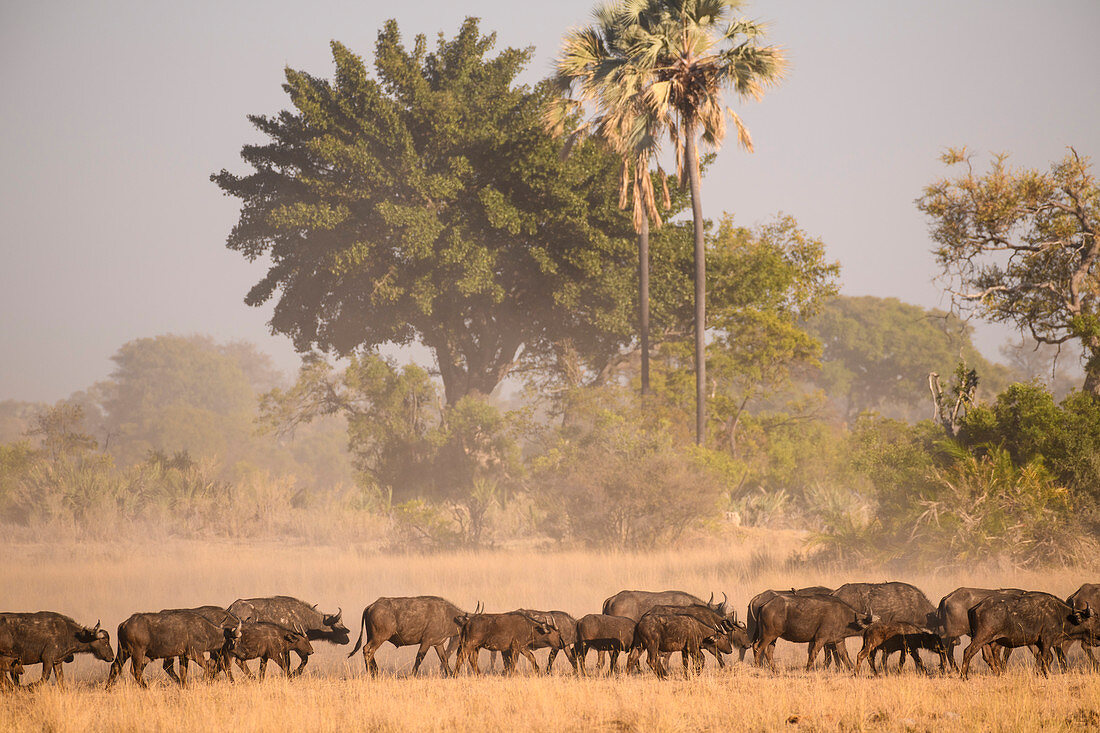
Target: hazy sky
{"type": "Point", "coordinates": [114, 114]}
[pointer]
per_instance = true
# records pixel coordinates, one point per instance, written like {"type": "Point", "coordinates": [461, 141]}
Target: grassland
{"type": "Point", "coordinates": [108, 582]}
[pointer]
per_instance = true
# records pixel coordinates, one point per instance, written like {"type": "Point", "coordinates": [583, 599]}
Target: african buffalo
{"type": "Point", "coordinates": [215, 615]}
{"type": "Point", "coordinates": [510, 634]}
{"type": "Point", "coordinates": [1088, 595]}
{"type": "Point", "coordinates": [267, 641]}
{"type": "Point", "coordinates": [898, 636]}
{"type": "Point", "coordinates": [561, 639]}
{"type": "Point", "coordinates": [892, 601]}
{"type": "Point", "coordinates": [167, 635]}
{"type": "Point", "coordinates": [427, 621]}
{"type": "Point", "coordinates": [50, 639]}
{"type": "Point", "coordinates": [634, 603]}
{"type": "Point", "coordinates": [605, 634]}
{"type": "Point", "coordinates": [816, 620]}
{"type": "Point", "coordinates": [954, 617]}
{"type": "Point", "coordinates": [760, 599]}
{"type": "Point", "coordinates": [734, 632]}
{"type": "Point", "coordinates": [1027, 619]}
{"type": "Point", "coordinates": [664, 633]}
{"type": "Point", "coordinates": [292, 613]}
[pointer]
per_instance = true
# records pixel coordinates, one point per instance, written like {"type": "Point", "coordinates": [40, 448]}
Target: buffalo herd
{"type": "Point", "coordinates": [890, 617]}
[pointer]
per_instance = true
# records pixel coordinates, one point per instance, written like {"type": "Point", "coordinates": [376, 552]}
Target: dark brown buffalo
{"type": "Point", "coordinates": [215, 615]}
{"type": "Point", "coordinates": [292, 613]}
{"type": "Point", "coordinates": [50, 639]}
{"type": "Point", "coordinates": [664, 633]}
{"type": "Point", "coordinates": [427, 621]}
{"type": "Point", "coordinates": [511, 634]}
{"type": "Point", "coordinates": [606, 634]}
{"type": "Point", "coordinates": [269, 642]}
{"type": "Point", "coordinates": [561, 639]}
{"type": "Point", "coordinates": [892, 601]}
{"type": "Point", "coordinates": [816, 620]}
{"type": "Point", "coordinates": [758, 601]}
{"type": "Point", "coordinates": [733, 635]}
{"type": "Point", "coordinates": [954, 618]}
{"type": "Point", "coordinates": [1028, 619]}
{"type": "Point", "coordinates": [168, 635]}
{"type": "Point", "coordinates": [1088, 596]}
{"type": "Point", "coordinates": [898, 636]}
{"type": "Point", "coordinates": [634, 603]}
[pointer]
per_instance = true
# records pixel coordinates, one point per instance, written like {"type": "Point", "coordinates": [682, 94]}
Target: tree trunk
{"type": "Point", "coordinates": [643, 299]}
{"type": "Point", "coordinates": [700, 287]}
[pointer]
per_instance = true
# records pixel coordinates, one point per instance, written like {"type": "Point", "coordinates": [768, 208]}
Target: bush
{"type": "Point", "coordinates": [616, 479]}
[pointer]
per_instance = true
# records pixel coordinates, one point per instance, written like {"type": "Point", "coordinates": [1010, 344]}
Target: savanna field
{"type": "Point", "coordinates": [108, 582]}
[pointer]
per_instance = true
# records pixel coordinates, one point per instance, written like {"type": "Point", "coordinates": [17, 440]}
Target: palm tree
{"type": "Point", "coordinates": [595, 66]}
{"type": "Point", "coordinates": [681, 55]}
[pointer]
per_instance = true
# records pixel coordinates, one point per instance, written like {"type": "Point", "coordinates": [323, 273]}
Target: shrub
{"type": "Point", "coordinates": [616, 479]}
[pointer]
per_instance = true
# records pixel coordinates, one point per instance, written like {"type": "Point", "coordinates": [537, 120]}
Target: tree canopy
{"type": "Point", "coordinates": [1021, 247]}
{"type": "Point", "coordinates": [878, 353]}
{"type": "Point", "coordinates": [429, 204]}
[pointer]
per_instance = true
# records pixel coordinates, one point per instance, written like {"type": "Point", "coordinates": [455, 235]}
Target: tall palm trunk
{"type": "Point", "coordinates": [643, 298]}
{"type": "Point", "coordinates": [700, 286]}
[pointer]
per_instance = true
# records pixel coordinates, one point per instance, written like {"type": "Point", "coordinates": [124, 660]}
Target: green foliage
{"type": "Point", "coordinates": [1020, 247]}
{"type": "Point", "coordinates": [429, 204]}
{"type": "Point", "coordinates": [990, 496]}
{"type": "Point", "coordinates": [878, 353]}
{"type": "Point", "coordinates": [618, 477]}
{"type": "Point", "coordinates": [58, 430]}
{"type": "Point", "coordinates": [169, 394]}
{"type": "Point", "coordinates": [1030, 427]}
{"type": "Point", "coordinates": [440, 468]}
{"type": "Point", "coordinates": [988, 505]}
{"type": "Point", "coordinates": [763, 283]}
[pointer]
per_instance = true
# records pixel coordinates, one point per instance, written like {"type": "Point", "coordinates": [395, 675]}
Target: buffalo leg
{"type": "Point", "coordinates": [302, 666]}
{"type": "Point", "coordinates": [263, 667]}
{"type": "Point", "coordinates": [368, 656]}
{"type": "Point", "coordinates": [116, 667]}
{"type": "Point", "coordinates": [245, 669]}
{"type": "Point", "coordinates": [578, 655]}
{"type": "Point", "coordinates": [530, 658]}
{"type": "Point", "coordinates": [452, 644]}
{"type": "Point", "coordinates": [614, 661]}
{"type": "Point", "coordinates": [137, 668]}
{"type": "Point", "coordinates": [421, 652]}
{"type": "Point", "coordinates": [283, 660]}
{"type": "Point", "coordinates": [442, 653]}
{"type": "Point", "coordinates": [170, 668]}
{"type": "Point", "coordinates": [599, 660]}
{"type": "Point", "coordinates": [59, 673]}
{"type": "Point", "coordinates": [815, 647]}
{"type": "Point", "coordinates": [977, 644]}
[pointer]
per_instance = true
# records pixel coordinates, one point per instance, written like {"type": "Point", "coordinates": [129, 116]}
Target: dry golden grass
{"type": "Point", "coordinates": [106, 582]}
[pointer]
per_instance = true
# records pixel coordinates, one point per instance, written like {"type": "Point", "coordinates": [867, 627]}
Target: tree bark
{"type": "Point", "coordinates": [700, 287]}
{"type": "Point", "coordinates": [643, 299]}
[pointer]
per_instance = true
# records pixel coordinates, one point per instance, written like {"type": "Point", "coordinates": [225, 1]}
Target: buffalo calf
{"type": "Point", "coordinates": [898, 636]}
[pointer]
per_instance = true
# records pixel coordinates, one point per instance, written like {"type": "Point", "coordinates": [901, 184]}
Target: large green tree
{"type": "Point", "coordinates": [1021, 247]}
{"type": "Point", "coordinates": [878, 353]}
{"type": "Point", "coordinates": [429, 204]}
